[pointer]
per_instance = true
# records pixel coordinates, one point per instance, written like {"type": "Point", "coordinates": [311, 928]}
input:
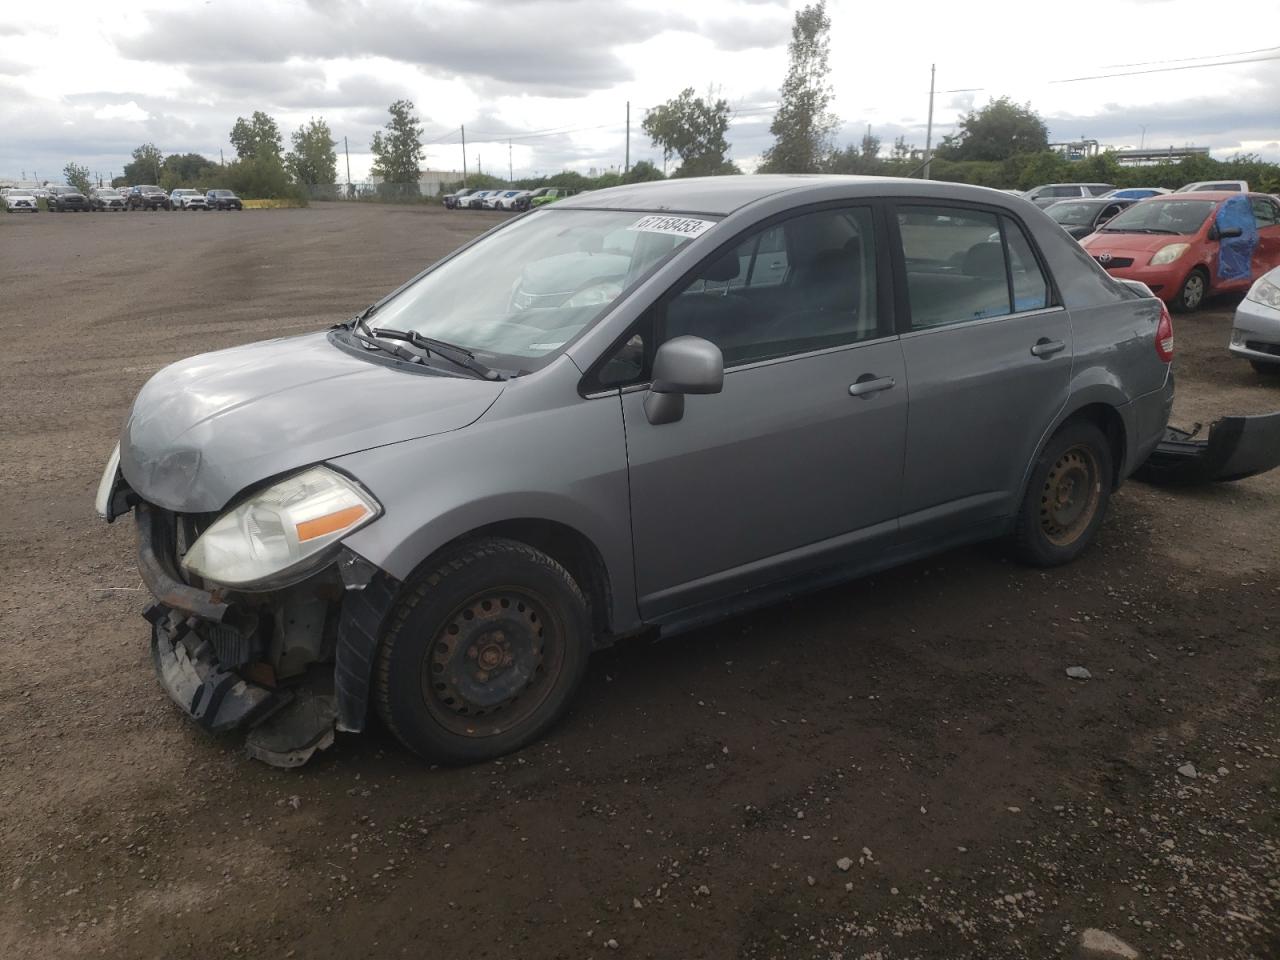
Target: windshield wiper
{"type": "Point", "coordinates": [1139, 230]}
{"type": "Point", "coordinates": [395, 350]}
{"type": "Point", "coordinates": [459, 356]}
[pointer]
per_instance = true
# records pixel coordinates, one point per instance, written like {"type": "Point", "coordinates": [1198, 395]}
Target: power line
{"type": "Point", "coordinates": [1188, 66]}
{"type": "Point", "coordinates": [1210, 56]}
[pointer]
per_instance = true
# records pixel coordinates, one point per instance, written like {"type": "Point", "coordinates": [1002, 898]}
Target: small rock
{"type": "Point", "coordinates": [704, 891]}
{"type": "Point", "coordinates": [810, 881]}
{"type": "Point", "coordinates": [636, 904]}
{"type": "Point", "coordinates": [799, 814]}
{"type": "Point", "coordinates": [894, 891]}
{"type": "Point", "coordinates": [1079, 673]}
{"type": "Point", "coordinates": [1223, 771]}
{"type": "Point", "coordinates": [611, 944]}
{"type": "Point", "coordinates": [1014, 809]}
{"type": "Point", "coordinates": [844, 863]}
{"type": "Point", "coordinates": [1188, 770]}
{"type": "Point", "coordinates": [1100, 945]}
{"type": "Point", "coordinates": [849, 887]}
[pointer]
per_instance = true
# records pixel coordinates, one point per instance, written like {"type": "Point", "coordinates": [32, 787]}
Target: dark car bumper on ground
{"type": "Point", "coordinates": [210, 652]}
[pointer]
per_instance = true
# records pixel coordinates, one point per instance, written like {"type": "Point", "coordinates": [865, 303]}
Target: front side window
{"type": "Point", "coordinates": [518, 296]}
{"type": "Point", "coordinates": [807, 283]}
{"type": "Point", "coordinates": [955, 265]}
{"type": "Point", "coordinates": [1265, 212]}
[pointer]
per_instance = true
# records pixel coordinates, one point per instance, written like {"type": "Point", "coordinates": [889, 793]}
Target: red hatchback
{"type": "Point", "coordinates": [1178, 246]}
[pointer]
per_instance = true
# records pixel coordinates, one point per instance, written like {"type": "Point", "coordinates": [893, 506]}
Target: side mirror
{"type": "Point", "coordinates": [682, 365]}
{"type": "Point", "coordinates": [1230, 232]}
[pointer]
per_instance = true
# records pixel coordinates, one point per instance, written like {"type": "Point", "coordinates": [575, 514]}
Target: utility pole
{"type": "Point", "coordinates": [928, 136]}
{"type": "Point", "coordinates": [347, 150]}
{"type": "Point", "coordinates": [510, 174]}
{"type": "Point", "coordinates": [1143, 142]}
{"type": "Point", "coordinates": [626, 163]}
{"type": "Point", "coordinates": [464, 154]}
{"type": "Point", "coordinates": [222, 161]}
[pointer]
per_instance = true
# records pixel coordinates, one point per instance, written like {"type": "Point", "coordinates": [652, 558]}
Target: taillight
{"type": "Point", "coordinates": [1164, 334]}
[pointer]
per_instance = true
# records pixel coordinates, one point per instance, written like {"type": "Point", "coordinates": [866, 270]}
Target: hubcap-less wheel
{"type": "Point", "coordinates": [1193, 291]}
{"type": "Point", "coordinates": [490, 666]}
{"type": "Point", "coordinates": [1070, 496]}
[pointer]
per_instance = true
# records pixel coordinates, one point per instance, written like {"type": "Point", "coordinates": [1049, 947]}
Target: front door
{"type": "Point", "coordinates": [988, 356]}
{"type": "Point", "coordinates": [788, 470]}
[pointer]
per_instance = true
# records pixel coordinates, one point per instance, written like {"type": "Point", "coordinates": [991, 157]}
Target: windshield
{"type": "Point", "coordinates": [1073, 214]}
{"type": "Point", "coordinates": [1162, 216]}
{"type": "Point", "coordinates": [516, 297]}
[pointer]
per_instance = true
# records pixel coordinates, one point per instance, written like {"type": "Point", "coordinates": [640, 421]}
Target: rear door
{"type": "Point", "coordinates": [988, 357]}
{"type": "Point", "coordinates": [1267, 254]}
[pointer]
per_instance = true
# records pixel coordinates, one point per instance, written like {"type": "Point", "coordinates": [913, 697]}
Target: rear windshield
{"type": "Point", "coordinates": [1162, 216]}
{"type": "Point", "coordinates": [1073, 214]}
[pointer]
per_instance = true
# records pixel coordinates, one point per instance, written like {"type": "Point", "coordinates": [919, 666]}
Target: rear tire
{"type": "Point", "coordinates": [1066, 498]}
{"type": "Point", "coordinates": [1192, 292]}
{"type": "Point", "coordinates": [484, 652]}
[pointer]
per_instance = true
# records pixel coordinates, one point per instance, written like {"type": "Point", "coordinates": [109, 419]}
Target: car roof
{"type": "Point", "coordinates": [723, 195]}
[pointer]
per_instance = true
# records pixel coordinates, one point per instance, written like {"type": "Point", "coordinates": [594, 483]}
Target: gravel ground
{"type": "Point", "coordinates": [897, 768]}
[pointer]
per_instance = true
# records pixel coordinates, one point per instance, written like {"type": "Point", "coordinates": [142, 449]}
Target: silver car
{"type": "Point", "coordinates": [1255, 335]}
{"type": "Point", "coordinates": [439, 509]}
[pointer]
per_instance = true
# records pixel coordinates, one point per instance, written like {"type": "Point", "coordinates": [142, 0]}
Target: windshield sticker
{"type": "Point", "coordinates": [673, 226]}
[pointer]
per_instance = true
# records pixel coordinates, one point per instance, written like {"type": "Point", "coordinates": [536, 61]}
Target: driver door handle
{"type": "Point", "coordinates": [1047, 348]}
{"type": "Point", "coordinates": [869, 383]}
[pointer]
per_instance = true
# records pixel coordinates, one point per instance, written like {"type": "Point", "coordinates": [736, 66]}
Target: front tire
{"type": "Point", "coordinates": [484, 652]}
{"type": "Point", "coordinates": [1192, 292]}
{"type": "Point", "coordinates": [1066, 498]}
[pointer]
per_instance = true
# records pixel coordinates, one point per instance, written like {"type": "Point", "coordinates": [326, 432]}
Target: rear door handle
{"type": "Point", "coordinates": [869, 383]}
{"type": "Point", "coordinates": [1047, 348]}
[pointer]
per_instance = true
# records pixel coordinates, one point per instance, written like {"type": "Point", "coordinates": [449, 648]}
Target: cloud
{"type": "Point", "coordinates": [121, 111]}
{"type": "Point", "coordinates": [13, 68]}
{"type": "Point", "coordinates": [736, 33]}
{"type": "Point", "coordinates": [480, 40]}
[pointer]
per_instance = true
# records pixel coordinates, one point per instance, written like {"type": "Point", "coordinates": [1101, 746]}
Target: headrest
{"type": "Point", "coordinates": [984, 260]}
{"type": "Point", "coordinates": [723, 270]}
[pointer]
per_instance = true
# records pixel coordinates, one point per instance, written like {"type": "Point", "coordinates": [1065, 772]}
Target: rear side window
{"type": "Point", "coordinates": [1265, 212]}
{"type": "Point", "coordinates": [958, 267]}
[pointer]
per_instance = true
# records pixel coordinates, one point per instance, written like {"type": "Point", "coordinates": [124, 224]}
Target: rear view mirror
{"type": "Point", "coordinates": [682, 365]}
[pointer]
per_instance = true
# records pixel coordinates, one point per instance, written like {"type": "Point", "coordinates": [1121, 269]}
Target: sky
{"type": "Point", "coordinates": [88, 82]}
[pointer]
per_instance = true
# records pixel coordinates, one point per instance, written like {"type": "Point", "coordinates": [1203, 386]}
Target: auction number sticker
{"type": "Point", "coordinates": [674, 226]}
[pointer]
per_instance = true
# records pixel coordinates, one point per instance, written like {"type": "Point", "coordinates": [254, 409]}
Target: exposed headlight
{"type": "Point", "coordinates": [594, 296]}
{"type": "Point", "coordinates": [1169, 254]}
{"type": "Point", "coordinates": [281, 532]}
{"type": "Point", "coordinates": [1265, 292]}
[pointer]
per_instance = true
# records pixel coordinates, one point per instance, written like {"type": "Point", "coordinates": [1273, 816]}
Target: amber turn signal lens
{"type": "Point", "coordinates": [330, 523]}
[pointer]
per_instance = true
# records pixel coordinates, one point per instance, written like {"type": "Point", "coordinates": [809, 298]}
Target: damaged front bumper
{"type": "Point", "coordinates": [1235, 448]}
{"type": "Point", "coordinates": [261, 662]}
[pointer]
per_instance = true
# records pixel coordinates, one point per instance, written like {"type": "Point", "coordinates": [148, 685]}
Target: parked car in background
{"type": "Point", "coordinates": [1136, 193]}
{"type": "Point", "coordinates": [1255, 333]}
{"type": "Point", "coordinates": [1200, 186]}
{"type": "Point", "coordinates": [1176, 245]}
{"type": "Point", "coordinates": [146, 197]}
{"type": "Point", "coordinates": [221, 199]}
{"type": "Point", "coordinates": [187, 199]}
{"type": "Point", "coordinates": [107, 199]}
{"type": "Point", "coordinates": [1082, 217]}
{"type": "Point", "coordinates": [67, 199]}
{"type": "Point", "coordinates": [18, 200]}
{"type": "Point", "coordinates": [544, 195]}
{"type": "Point", "coordinates": [453, 200]}
{"type": "Point", "coordinates": [475, 201]}
{"type": "Point", "coordinates": [1049, 193]}
{"type": "Point", "coordinates": [496, 493]}
{"type": "Point", "coordinates": [505, 199]}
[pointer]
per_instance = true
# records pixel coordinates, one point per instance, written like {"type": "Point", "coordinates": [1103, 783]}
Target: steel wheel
{"type": "Point", "coordinates": [1193, 292]}
{"type": "Point", "coordinates": [487, 668]}
{"type": "Point", "coordinates": [1070, 496]}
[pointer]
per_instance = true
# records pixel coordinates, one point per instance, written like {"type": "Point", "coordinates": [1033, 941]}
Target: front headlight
{"type": "Point", "coordinates": [1169, 254]}
{"type": "Point", "coordinates": [281, 532]}
{"type": "Point", "coordinates": [1265, 292]}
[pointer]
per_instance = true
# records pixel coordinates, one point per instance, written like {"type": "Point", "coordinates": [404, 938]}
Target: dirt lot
{"type": "Point", "coordinates": [697, 800]}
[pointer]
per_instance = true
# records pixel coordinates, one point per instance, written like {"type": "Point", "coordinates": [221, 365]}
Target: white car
{"type": "Point", "coordinates": [1255, 333]}
{"type": "Point", "coordinates": [509, 198]}
{"type": "Point", "coordinates": [1235, 186]}
{"type": "Point", "coordinates": [495, 200]}
{"type": "Point", "coordinates": [16, 200]}
{"type": "Point", "coordinates": [186, 199]}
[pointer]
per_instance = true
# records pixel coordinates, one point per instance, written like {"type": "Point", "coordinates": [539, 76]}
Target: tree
{"type": "Point", "coordinates": [870, 146]}
{"type": "Point", "coordinates": [692, 129]}
{"type": "Point", "coordinates": [257, 138]}
{"type": "Point", "coordinates": [642, 171]}
{"type": "Point", "coordinates": [145, 166]}
{"type": "Point", "coordinates": [188, 170]}
{"type": "Point", "coordinates": [1000, 130]}
{"type": "Point", "coordinates": [902, 150]}
{"type": "Point", "coordinates": [78, 177]}
{"type": "Point", "coordinates": [313, 160]}
{"type": "Point", "coordinates": [804, 125]}
{"type": "Point", "coordinates": [396, 154]}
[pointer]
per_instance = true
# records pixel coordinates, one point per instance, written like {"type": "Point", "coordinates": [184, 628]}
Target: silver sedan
{"type": "Point", "coordinates": [1255, 334]}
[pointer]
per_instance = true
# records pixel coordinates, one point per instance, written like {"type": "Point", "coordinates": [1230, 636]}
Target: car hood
{"type": "Point", "coordinates": [205, 428]}
{"type": "Point", "coordinates": [1131, 243]}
